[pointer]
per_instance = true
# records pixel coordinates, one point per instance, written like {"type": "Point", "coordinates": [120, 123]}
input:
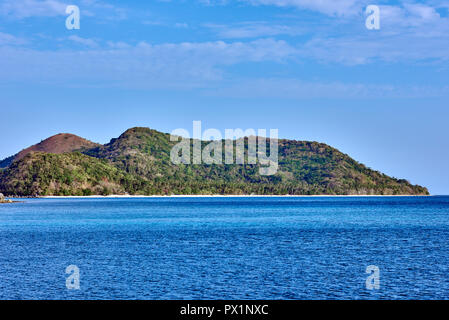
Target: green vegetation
{"type": "Point", "coordinates": [63, 175]}
{"type": "Point", "coordinates": [138, 162]}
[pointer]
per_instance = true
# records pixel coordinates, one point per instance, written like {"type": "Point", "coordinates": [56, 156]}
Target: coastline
{"type": "Point", "coordinates": [221, 196]}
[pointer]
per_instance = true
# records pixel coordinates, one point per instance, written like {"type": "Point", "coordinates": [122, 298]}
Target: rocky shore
{"type": "Point", "coordinates": [4, 200]}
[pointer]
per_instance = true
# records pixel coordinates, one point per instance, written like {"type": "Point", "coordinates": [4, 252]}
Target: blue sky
{"type": "Point", "coordinates": [308, 68]}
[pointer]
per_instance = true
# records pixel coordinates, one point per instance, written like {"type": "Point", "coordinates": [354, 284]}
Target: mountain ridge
{"type": "Point", "coordinates": [138, 163]}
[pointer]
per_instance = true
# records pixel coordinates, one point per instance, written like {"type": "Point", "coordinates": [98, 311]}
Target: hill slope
{"type": "Point", "coordinates": [138, 162]}
{"type": "Point", "coordinates": [64, 174]}
{"type": "Point", "coordinates": [60, 143]}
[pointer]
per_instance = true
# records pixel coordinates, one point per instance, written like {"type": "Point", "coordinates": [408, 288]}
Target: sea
{"type": "Point", "coordinates": [171, 248]}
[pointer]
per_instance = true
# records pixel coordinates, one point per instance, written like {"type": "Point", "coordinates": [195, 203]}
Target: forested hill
{"type": "Point", "coordinates": [138, 163]}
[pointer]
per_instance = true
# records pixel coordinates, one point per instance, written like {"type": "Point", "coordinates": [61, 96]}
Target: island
{"type": "Point", "coordinates": [138, 163]}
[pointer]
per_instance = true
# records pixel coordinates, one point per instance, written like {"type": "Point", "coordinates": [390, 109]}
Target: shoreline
{"type": "Point", "coordinates": [219, 196]}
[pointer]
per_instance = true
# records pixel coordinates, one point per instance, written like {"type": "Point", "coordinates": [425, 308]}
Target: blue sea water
{"type": "Point", "coordinates": [226, 248]}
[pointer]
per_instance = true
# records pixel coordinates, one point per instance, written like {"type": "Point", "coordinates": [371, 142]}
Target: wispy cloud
{"type": "Point", "coordinates": [410, 15]}
{"type": "Point", "coordinates": [15, 9]}
{"type": "Point", "coordinates": [290, 88]}
{"type": "Point", "coordinates": [338, 8]}
{"type": "Point", "coordinates": [104, 9]}
{"type": "Point", "coordinates": [83, 41]}
{"type": "Point", "coordinates": [181, 25]}
{"type": "Point", "coordinates": [143, 65]}
{"type": "Point", "coordinates": [7, 39]}
{"type": "Point", "coordinates": [32, 8]}
{"type": "Point", "coordinates": [394, 48]}
{"type": "Point", "coordinates": [253, 30]}
{"type": "Point", "coordinates": [410, 32]}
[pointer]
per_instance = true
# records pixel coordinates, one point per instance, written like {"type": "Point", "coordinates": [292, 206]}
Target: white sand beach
{"type": "Point", "coordinates": [221, 196]}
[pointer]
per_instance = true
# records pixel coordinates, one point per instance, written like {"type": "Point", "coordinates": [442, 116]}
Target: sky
{"type": "Point", "coordinates": [309, 68]}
